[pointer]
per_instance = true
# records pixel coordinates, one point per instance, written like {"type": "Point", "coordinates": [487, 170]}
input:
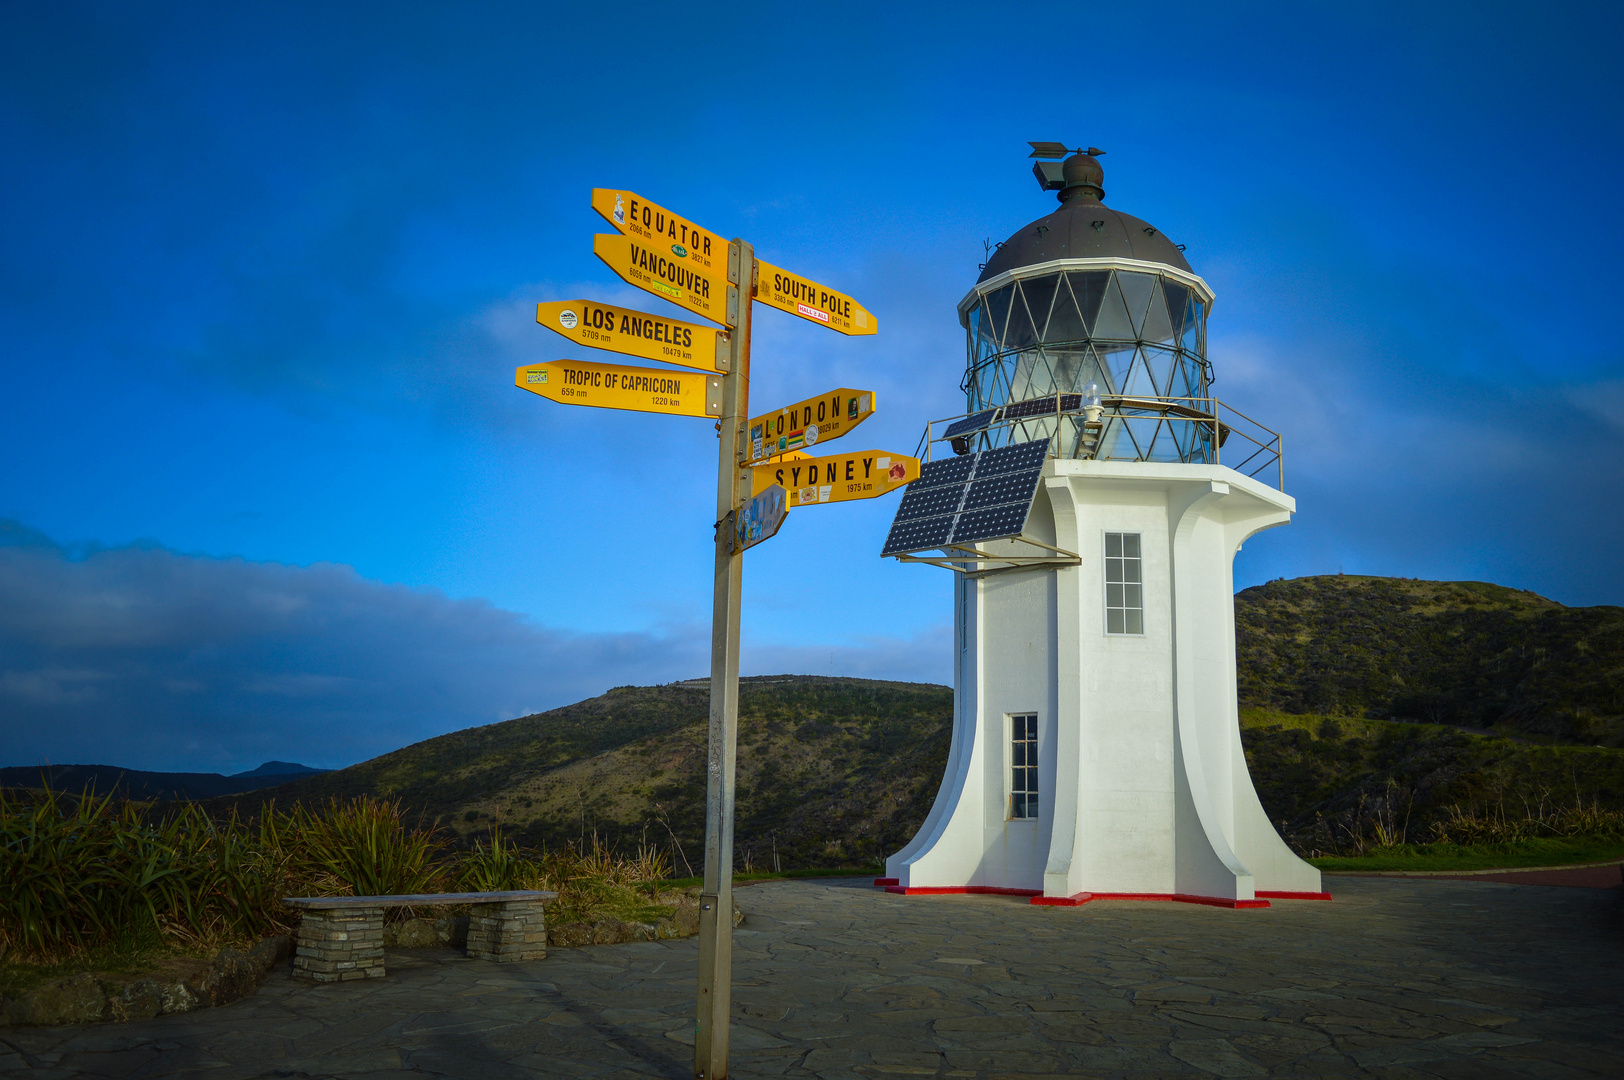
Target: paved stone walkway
{"type": "Point", "coordinates": [1395, 978]}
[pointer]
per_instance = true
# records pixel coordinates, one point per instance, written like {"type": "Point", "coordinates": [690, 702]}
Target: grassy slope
{"type": "Point", "coordinates": [1554, 851]}
{"type": "Point", "coordinates": [1318, 775]}
{"type": "Point", "coordinates": [1463, 653]}
{"type": "Point", "coordinates": [832, 772]}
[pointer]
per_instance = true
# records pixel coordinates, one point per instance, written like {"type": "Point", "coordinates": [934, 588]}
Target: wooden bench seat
{"type": "Point", "coordinates": [341, 937]}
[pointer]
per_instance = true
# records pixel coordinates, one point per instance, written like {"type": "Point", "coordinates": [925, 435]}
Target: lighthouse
{"type": "Point", "coordinates": [1090, 502]}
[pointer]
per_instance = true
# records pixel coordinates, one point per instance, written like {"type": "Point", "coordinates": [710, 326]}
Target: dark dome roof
{"type": "Point", "coordinates": [1084, 228]}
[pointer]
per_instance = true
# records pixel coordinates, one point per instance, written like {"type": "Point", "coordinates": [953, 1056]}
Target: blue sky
{"type": "Point", "coordinates": [268, 489]}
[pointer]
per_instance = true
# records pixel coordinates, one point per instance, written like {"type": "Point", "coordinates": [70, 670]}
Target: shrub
{"type": "Point", "coordinates": [82, 872]}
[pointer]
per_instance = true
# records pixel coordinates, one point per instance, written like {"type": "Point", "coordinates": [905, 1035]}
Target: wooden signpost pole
{"type": "Point", "coordinates": [733, 490]}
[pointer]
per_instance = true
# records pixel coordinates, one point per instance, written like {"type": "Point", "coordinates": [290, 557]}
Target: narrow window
{"type": "Point", "coordinates": [1023, 798]}
{"type": "Point", "coordinates": [1124, 588]}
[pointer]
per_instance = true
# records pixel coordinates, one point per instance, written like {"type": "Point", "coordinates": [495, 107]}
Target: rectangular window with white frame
{"type": "Point", "coordinates": [1124, 585]}
{"type": "Point", "coordinates": [1023, 788]}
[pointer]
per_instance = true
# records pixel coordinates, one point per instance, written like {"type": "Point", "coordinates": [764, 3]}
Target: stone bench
{"type": "Point", "coordinates": [341, 937]}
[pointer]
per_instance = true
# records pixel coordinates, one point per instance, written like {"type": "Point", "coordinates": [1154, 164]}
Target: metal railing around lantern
{"type": "Point", "coordinates": [1110, 427]}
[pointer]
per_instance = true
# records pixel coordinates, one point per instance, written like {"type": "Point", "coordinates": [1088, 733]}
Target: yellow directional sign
{"type": "Point", "coordinates": [635, 333]}
{"type": "Point", "coordinates": [610, 386]}
{"type": "Point", "coordinates": [666, 270]}
{"type": "Point", "coordinates": [807, 423]}
{"type": "Point", "coordinates": [777, 287]}
{"type": "Point", "coordinates": [838, 478]}
{"type": "Point", "coordinates": [634, 215]}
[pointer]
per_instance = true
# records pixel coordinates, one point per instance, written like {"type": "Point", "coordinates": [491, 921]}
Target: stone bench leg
{"type": "Point", "coordinates": [508, 932]}
{"type": "Point", "coordinates": [340, 945]}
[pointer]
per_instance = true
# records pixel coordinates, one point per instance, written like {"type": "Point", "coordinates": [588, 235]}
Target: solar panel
{"type": "Point", "coordinates": [944, 471]}
{"type": "Point", "coordinates": [969, 423]}
{"type": "Point", "coordinates": [1017, 458]}
{"type": "Point", "coordinates": [921, 535]}
{"type": "Point", "coordinates": [982, 496]}
{"type": "Point", "coordinates": [993, 523]}
{"type": "Point", "coordinates": [1000, 489]}
{"type": "Point", "coordinates": [929, 502]}
{"type": "Point", "coordinates": [1042, 406]}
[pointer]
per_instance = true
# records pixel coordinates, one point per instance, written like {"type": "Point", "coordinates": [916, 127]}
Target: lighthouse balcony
{"type": "Point", "coordinates": [1117, 427]}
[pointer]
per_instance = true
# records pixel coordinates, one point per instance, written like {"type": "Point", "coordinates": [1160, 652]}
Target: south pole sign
{"type": "Point", "coordinates": [757, 481]}
{"type": "Point", "coordinates": [813, 302]}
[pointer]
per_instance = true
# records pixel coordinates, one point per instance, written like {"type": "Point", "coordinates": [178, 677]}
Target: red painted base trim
{"type": "Point", "coordinates": [1218, 901]}
{"type": "Point", "coordinates": [1079, 899]}
{"type": "Point", "coordinates": [959, 890]}
{"type": "Point", "coordinates": [883, 881]}
{"type": "Point", "coordinates": [1272, 895]}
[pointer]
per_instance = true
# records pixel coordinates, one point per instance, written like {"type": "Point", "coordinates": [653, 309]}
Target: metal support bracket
{"type": "Point", "coordinates": [957, 555]}
{"type": "Point", "coordinates": [728, 530]}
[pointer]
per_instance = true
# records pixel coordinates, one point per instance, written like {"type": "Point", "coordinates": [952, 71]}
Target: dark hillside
{"type": "Point", "coordinates": [137, 784]}
{"type": "Point", "coordinates": [831, 771]}
{"type": "Point", "coordinates": [1460, 653]}
{"type": "Point", "coordinates": [440, 776]}
{"type": "Point", "coordinates": [1329, 782]}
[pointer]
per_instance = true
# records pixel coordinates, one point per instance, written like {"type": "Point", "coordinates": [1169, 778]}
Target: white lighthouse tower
{"type": "Point", "coordinates": [1091, 502]}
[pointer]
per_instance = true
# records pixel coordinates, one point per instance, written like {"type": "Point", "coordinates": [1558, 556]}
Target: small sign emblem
{"type": "Point", "coordinates": [567, 319]}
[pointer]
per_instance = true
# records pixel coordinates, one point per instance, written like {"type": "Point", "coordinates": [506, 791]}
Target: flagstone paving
{"type": "Point", "coordinates": [1395, 978]}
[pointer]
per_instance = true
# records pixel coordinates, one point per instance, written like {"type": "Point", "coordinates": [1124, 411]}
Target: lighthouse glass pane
{"type": "Point", "coordinates": [1113, 324]}
{"type": "Point", "coordinates": [1019, 334]}
{"type": "Point", "coordinates": [1023, 782]}
{"type": "Point", "coordinates": [1136, 289]}
{"type": "Point", "coordinates": [1089, 290]}
{"type": "Point", "coordinates": [1065, 324]}
{"type": "Point", "coordinates": [998, 309]}
{"type": "Point", "coordinates": [1124, 591]}
{"type": "Point", "coordinates": [1039, 299]}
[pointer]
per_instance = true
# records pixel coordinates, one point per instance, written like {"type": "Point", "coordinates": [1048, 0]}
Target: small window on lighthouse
{"type": "Point", "coordinates": [1124, 588]}
{"type": "Point", "coordinates": [1023, 797]}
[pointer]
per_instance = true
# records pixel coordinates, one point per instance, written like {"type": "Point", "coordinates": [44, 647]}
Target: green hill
{"type": "Point", "coordinates": [831, 771]}
{"type": "Point", "coordinates": [1462, 653]}
{"type": "Point", "coordinates": [1355, 693]}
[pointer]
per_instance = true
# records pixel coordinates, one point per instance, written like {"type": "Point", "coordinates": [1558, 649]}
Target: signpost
{"type": "Point", "coordinates": [839, 478]}
{"type": "Point", "coordinates": [673, 258]}
{"type": "Point", "coordinates": [806, 423]}
{"type": "Point", "coordinates": [636, 333]}
{"type": "Point", "coordinates": [818, 303]}
{"type": "Point", "coordinates": [611, 386]}
{"type": "Point", "coordinates": [668, 271]}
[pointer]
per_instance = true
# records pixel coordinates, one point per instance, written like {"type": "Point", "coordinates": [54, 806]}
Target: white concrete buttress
{"type": "Point", "coordinates": [1142, 785]}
